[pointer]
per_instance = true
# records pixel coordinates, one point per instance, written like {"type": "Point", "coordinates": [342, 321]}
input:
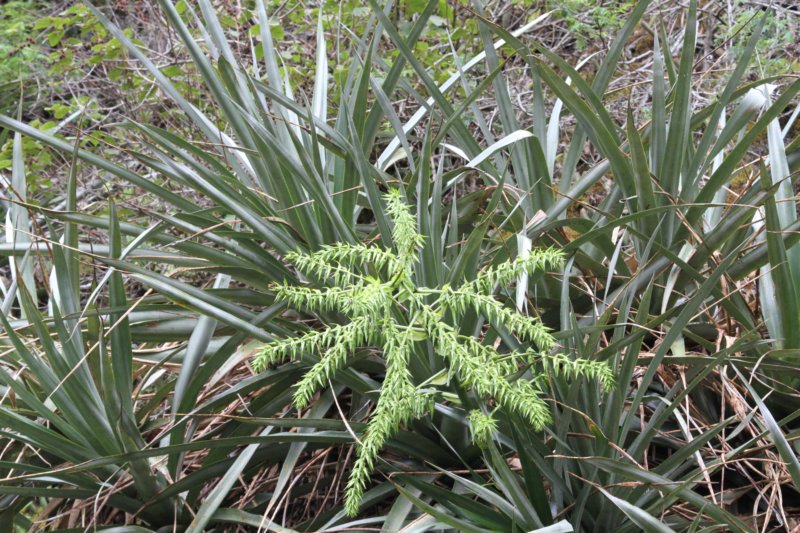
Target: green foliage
{"type": "Point", "coordinates": [592, 21]}
{"type": "Point", "coordinates": [588, 21]}
{"type": "Point", "coordinates": [18, 55]}
{"type": "Point", "coordinates": [71, 32]}
{"type": "Point", "coordinates": [779, 32]}
{"type": "Point", "coordinates": [38, 160]}
{"type": "Point", "coordinates": [373, 305]}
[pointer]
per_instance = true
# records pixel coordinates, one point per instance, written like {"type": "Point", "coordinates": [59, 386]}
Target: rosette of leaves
{"type": "Point", "coordinates": [374, 288]}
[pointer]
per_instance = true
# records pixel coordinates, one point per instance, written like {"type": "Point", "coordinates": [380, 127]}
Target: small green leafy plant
{"type": "Point", "coordinates": [395, 314]}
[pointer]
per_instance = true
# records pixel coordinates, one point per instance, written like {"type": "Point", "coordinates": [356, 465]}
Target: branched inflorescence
{"type": "Point", "coordinates": [372, 287]}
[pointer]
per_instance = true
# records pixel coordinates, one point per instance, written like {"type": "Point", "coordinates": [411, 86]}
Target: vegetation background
{"type": "Point", "coordinates": [161, 162]}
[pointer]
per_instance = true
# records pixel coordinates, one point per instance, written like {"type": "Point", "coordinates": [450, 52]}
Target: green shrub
{"type": "Point", "coordinates": [778, 34]}
{"type": "Point", "coordinates": [19, 56]}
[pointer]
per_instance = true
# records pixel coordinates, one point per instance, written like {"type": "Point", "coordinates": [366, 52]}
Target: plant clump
{"type": "Point", "coordinates": [374, 288]}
